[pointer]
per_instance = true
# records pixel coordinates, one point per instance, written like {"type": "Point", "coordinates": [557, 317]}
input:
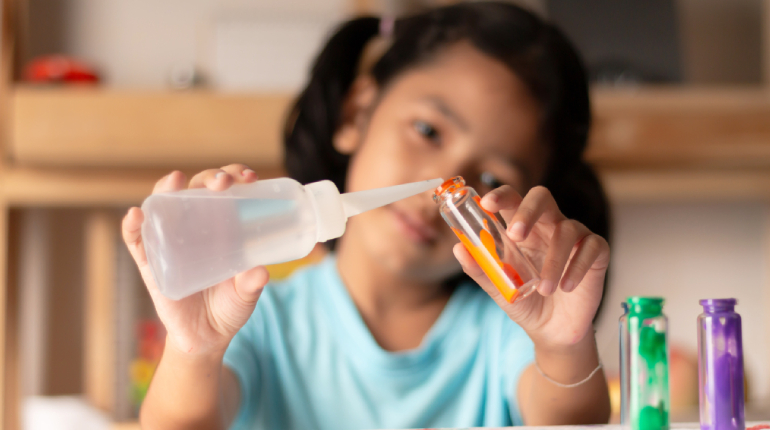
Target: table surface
{"type": "Point", "coordinates": [756, 425]}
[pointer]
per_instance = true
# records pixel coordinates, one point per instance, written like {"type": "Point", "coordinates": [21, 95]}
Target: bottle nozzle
{"type": "Point", "coordinates": [362, 201]}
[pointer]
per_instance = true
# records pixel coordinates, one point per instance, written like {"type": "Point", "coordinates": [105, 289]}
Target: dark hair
{"type": "Point", "coordinates": [535, 51]}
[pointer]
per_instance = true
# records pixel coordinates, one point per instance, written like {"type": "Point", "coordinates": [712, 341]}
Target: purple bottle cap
{"type": "Point", "coordinates": [718, 305]}
{"type": "Point", "coordinates": [719, 302]}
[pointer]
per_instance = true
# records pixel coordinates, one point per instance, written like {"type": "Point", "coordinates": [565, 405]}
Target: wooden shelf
{"type": "Point", "coordinates": [683, 185]}
{"type": "Point", "coordinates": [79, 127]}
{"type": "Point", "coordinates": [649, 143]}
{"type": "Point", "coordinates": [681, 127]}
{"type": "Point", "coordinates": [643, 128]}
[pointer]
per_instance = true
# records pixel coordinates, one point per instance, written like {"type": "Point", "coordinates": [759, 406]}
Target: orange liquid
{"type": "Point", "coordinates": [492, 268]}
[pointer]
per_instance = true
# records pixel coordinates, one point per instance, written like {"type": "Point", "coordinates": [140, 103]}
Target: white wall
{"type": "Point", "coordinates": [135, 43]}
{"type": "Point", "coordinates": [686, 252]}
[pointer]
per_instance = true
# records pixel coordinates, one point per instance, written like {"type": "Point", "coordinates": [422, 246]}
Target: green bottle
{"type": "Point", "coordinates": [648, 364]}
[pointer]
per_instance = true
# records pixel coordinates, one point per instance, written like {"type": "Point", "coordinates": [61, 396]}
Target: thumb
{"type": "Point", "coordinates": [249, 284]}
{"type": "Point", "coordinates": [232, 302]}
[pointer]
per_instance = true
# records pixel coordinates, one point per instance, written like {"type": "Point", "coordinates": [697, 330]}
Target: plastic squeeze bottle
{"type": "Point", "coordinates": [483, 235]}
{"type": "Point", "coordinates": [646, 340]}
{"type": "Point", "coordinates": [720, 366]}
{"type": "Point", "coordinates": [197, 238]}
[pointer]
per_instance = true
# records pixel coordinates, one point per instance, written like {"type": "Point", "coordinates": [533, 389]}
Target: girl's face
{"type": "Point", "coordinates": [463, 113]}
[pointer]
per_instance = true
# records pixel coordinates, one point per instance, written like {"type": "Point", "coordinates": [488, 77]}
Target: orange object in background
{"type": "Point", "coordinates": [283, 270]}
{"type": "Point", "coordinates": [683, 378]}
{"type": "Point", "coordinates": [59, 69]}
{"type": "Point", "coordinates": [683, 384]}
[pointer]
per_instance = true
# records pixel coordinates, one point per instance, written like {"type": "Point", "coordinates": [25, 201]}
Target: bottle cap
{"type": "Point", "coordinates": [330, 215]}
{"type": "Point", "coordinates": [333, 209]}
{"type": "Point", "coordinates": [719, 302]}
{"type": "Point", "coordinates": [718, 305]}
{"type": "Point", "coordinates": [652, 305]}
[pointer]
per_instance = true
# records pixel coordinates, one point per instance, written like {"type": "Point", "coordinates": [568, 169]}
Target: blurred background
{"type": "Point", "coordinates": [99, 98]}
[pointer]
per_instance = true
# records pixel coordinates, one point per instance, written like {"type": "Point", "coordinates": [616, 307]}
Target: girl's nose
{"type": "Point", "coordinates": [442, 169]}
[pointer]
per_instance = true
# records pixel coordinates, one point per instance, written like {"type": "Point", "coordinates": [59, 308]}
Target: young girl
{"type": "Point", "coordinates": [388, 332]}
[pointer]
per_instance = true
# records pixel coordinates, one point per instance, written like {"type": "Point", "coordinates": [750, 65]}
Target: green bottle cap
{"type": "Point", "coordinates": [646, 305]}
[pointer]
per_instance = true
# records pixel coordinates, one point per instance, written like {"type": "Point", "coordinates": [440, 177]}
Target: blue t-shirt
{"type": "Point", "coordinates": [306, 360]}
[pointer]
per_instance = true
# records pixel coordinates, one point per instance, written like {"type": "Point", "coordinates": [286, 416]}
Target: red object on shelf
{"type": "Point", "coordinates": [59, 68]}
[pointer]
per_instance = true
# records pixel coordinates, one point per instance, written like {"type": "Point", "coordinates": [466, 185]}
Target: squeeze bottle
{"type": "Point", "coordinates": [197, 238]}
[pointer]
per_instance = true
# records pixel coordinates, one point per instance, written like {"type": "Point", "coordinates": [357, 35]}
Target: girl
{"type": "Point", "coordinates": [388, 332]}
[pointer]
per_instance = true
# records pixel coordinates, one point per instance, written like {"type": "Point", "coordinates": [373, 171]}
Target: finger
{"type": "Point", "coordinates": [132, 236]}
{"type": "Point", "coordinates": [131, 228]}
{"type": "Point", "coordinates": [213, 179]}
{"type": "Point", "coordinates": [565, 236]}
{"type": "Point", "coordinates": [241, 173]}
{"type": "Point", "coordinates": [249, 284]}
{"type": "Point", "coordinates": [234, 300]}
{"type": "Point", "coordinates": [472, 269]}
{"type": "Point", "coordinates": [469, 265]}
{"type": "Point", "coordinates": [504, 199]}
{"type": "Point", "coordinates": [537, 205]}
{"type": "Point", "coordinates": [592, 250]}
{"type": "Point", "coordinates": [174, 181]}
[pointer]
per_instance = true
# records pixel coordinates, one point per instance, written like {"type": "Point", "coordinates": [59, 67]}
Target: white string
{"type": "Point", "coordinates": [540, 371]}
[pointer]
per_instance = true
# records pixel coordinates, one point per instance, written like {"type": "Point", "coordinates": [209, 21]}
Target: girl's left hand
{"type": "Point", "coordinates": [572, 262]}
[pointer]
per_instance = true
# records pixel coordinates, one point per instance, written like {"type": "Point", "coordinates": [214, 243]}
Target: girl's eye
{"type": "Point", "coordinates": [489, 180]}
{"type": "Point", "coordinates": [426, 130]}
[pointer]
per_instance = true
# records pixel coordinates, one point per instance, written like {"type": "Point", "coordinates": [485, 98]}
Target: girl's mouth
{"type": "Point", "coordinates": [414, 227]}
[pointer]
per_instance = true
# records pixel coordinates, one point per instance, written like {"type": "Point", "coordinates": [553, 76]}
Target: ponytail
{"type": "Point", "coordinates": [314, 117]}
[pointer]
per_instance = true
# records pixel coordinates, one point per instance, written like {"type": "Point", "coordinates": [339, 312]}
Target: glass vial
{"type": "Point", "coordinates": [484, 236]}
{"type": "Point", "coordinates": [646, 337]}
{"type": "Point", "coordinates": [720, 366]}
{"type": "Point", "coordinates": [624, 365]}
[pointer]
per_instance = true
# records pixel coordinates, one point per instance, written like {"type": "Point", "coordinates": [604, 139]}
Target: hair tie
{"type": "Point", "coordinates": [386, 26]}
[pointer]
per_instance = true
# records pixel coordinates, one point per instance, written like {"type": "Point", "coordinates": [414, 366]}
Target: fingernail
{"type": "Point", "coordinates": [547, 287]}
{"type": "Point", "coordinates": [246, 172]}
{"type": "Point", "coordinates": [568, 285]}
{"type": "Point", "coordinates": [519, 230]}
{"type": "Point", "coordinates": [494, 198]}
{"type": "Point", "coordinates": [219, 175]}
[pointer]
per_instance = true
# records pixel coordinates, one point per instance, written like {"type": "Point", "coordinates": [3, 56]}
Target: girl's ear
{"type": "Point", "coordinates": [355, 109]}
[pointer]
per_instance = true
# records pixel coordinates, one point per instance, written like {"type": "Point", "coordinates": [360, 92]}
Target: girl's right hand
{"type": "Point", "coordinates": [205, 322]}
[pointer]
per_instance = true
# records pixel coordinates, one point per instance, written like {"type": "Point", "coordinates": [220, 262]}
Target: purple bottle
{"type": "Point", "coordinates": [720, 366]}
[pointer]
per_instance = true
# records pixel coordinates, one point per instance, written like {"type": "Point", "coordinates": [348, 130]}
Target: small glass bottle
{"type": "Point", "coordinates": [720, 366]}
{"type": "Point", "coordinates": [484, 236]}
{"type": "Point", "coordinates": [648, 399]}
{"type": "Point", "coordinates": [624, 376]}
